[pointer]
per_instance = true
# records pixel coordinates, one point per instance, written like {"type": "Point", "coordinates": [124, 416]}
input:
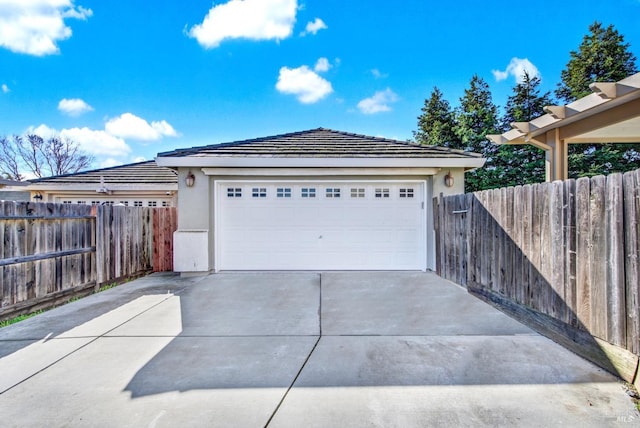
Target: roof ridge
{"type": "Point", "coordinates": [318, 142]}
{"type": "Point", "coordinates": [196, 149]}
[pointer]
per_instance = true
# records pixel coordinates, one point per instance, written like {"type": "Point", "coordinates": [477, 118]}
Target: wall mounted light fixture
{"type": "Point", "coordinates": [38, 197]}
{"type": "Point", "coordinates": [448, 179]}
{"type": "Point", "coordinates": [190, 179]}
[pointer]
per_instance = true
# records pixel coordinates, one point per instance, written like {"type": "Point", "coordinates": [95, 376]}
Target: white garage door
{"type": "Point", "coordinates": [320, 225]}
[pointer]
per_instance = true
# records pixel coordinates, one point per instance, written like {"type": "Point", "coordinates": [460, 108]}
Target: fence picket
{"type": "Point", "coordinates": [569, 240]}
{"type": "Point", "coordinates": [598, 257]}
{"type": "Point", "coordinates": [631, 182]}
{"type": "Point", "coordinates": [556, 276]}
{"type": "Point", "coordinates": [616, 323]}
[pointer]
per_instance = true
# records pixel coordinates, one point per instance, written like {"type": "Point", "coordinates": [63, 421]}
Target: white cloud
{"type": "Point", "coordinates": [79, 13]}
{"type": "Point", "coordinates": [247, 19]}
{"type": "Point", "coordinates": [517, 68]}
{"type": "Point", "coordinates": [378, 103]}
{"type": "Point", "coordinates": [314, 26]}
{"type": "Point", "coordinates": [74, 107]}
{"type": "Point", "coordinates": [304, 83]}
{"type": "Point", "coordinates": [138, 159]}
{"type": "Point", "coordinates": [97, 142]}
{"type": "Point", "coordinates": [378, 74]}
{"type": "Point", "coordinates": [35, 26]}
{"type": "Point", "coordinates": [94, 142]}
{"type": "Point", "coordinates": [128, 125]}
{"type": "Point", "coordinates": [43, 130]}
{"type": "Point", "coordinates": [322, 65]}
{"type": "Point", "coordinates": [5, 89]}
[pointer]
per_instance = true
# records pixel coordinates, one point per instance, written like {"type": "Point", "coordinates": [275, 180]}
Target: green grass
{"type": "Point", "coordinates": [107, 286]}
{"type": "Point", "coordinates": [19, 318]}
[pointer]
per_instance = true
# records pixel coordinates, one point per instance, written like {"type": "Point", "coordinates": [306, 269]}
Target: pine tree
{"type": "Point", "coordinates": [526, 103]}
{"type": "Point", "coordinates": [435, 124]}
{"type": "Point", "coordinates": [523, 164]}
{"type": "Point", "coordinates": [603, 56]}
{"type": "Point", "coordinates": [476, 117]}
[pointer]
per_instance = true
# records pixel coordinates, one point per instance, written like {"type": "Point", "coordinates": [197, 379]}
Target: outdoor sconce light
{"type": "Point", "coordinates": [190, 179]}
{"type": "Point", "coordinates": [448, 179]}
{"type": "Point", "coordinates": [38, 196]}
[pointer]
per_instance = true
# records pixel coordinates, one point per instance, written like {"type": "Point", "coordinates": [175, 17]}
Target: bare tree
{"type": "Point", "coordinates": [10, 158]}
{"type": "Point", "coordinates": [65, 156]}
{"type": "Point", "coordinates": [34, 154]}
{"type": "Point", "coordinates": [31, 152]}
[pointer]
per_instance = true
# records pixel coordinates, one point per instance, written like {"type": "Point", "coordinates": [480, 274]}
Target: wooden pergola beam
{"type": "Point", "coordinates": [606, 118]}
{"type": "Point", "coordinates": [559, 112]}
{"type": "Point", "coordinates": [611, 90]}
{"type": "Point", "coordinates": [524, 127]}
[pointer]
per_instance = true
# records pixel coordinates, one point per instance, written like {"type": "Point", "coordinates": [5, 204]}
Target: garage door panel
{"type": "Point", "coordinates": [354, 231]}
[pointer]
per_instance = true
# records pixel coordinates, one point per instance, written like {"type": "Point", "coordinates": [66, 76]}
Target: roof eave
{"type": "Point", "coordinates": [288, 162]}
{"type": "Point", "coordinates": [91, 187]}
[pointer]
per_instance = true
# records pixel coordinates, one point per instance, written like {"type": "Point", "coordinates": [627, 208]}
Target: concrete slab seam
{"type": "Point", "coordinates": [320, 303]}
{"type": "Point", "coordinates": [81, 347]}
{"type": "Point", "coordinates": [198, 336]}
{"type": "Point", "coordinates": [284, 396]}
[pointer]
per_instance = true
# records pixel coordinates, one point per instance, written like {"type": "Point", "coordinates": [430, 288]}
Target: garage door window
{"type": "Point", "coordinates": [234, 192]}
{"type": "Point", "coordinates": [283, 192]}
{"type": "Point", "coordinates": [406, 193]}
{"type": "Point", "coordinates": [259, 192]}
{"type": "Point", "coordinates": [332, 192]}
{"type": "Point", "coordinates": [382, 193]}
{"type": "Point", "coordinates": [357, 192]}
{"type": "Point", "coordinates": [308, 192]}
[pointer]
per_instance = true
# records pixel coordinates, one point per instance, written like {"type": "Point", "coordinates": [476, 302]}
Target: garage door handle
{"type": "Point", "coordinates": [320, 237]}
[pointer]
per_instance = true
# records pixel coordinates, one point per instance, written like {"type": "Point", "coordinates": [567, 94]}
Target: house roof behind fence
{"type": "Point", "coordinates": [131, 174]}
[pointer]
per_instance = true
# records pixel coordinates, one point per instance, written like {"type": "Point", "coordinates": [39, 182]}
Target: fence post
{"type": "Point", "coordinates": [437, 232]}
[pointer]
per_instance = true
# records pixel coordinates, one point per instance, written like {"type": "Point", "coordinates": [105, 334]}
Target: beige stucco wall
{"type": "Point", "coordinates": [458, 182]}
{"type": "Point", "coordinates": [193, 202]}
{"type": "Point", "coordinates": [193, 241]}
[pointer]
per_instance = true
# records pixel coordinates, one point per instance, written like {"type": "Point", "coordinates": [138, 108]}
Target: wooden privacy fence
{"type": "Point", "coordinates": [561, 256]}
{"type": "Point", "coordinates": [133, 240]}
{"type": "Point", "coordinates": [47, 249]}
{"type": "Point", "coordinates": [51, 252]}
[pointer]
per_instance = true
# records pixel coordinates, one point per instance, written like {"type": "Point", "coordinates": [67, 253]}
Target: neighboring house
{"type": "Point", "coordinates": [141, 184]}
{"type": "Point", "coordinates": [311, 200]}
{"type": "Point", "coordinates": [12, 190]}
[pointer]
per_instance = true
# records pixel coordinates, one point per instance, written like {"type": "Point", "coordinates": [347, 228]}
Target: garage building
{"type": "Point", "coordinates": [311, 200]}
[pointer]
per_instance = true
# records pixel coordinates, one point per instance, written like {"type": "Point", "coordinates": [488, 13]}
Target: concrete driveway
{"type": "Point", "coordinates": [374, 349]}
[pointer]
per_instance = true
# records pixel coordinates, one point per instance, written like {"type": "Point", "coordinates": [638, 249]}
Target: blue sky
{"type": "Point", "coordinates": [130, 78]}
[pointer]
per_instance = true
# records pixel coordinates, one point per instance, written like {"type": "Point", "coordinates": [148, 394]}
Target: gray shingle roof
{"type": "Point", "coordinates": [320, 143]}
{"type": "Point", "coordinates": [5, 182]}
{"type": "Point", "coordinates": [136, 173]}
